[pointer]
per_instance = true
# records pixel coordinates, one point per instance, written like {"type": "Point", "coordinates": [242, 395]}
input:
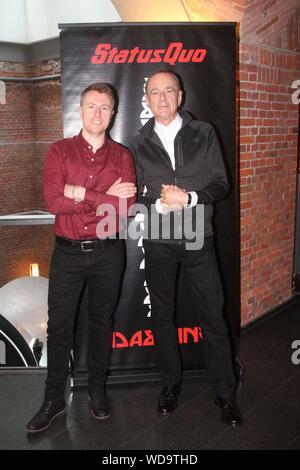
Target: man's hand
{"type": "Point", "coordinates": [122, 190]}
{"type": "Point", "coordinates": [165, 209]}
{"type": "Point", "coordinates": [173, 196]}
{"type": "Point", "coordinates": [74, 192]}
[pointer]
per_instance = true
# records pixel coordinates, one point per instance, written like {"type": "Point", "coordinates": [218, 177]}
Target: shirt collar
{"type": "Point", "coordinates": [85, 145]}
{"type": "Point", "coordinates": [171, 129]}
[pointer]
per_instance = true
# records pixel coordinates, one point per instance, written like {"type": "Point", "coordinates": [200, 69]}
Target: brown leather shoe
{"type": "Point", "coordinates": [49, 410]}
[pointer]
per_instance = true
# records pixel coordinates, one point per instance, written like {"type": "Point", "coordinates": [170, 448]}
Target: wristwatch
{"type": "Point", "coordinates": [189, 201]}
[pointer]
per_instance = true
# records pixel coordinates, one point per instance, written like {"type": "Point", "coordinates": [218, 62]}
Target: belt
{"type": "Point", "coordinates": [87, 245]}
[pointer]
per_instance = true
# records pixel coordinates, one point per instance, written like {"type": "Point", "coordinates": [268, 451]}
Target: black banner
{"type": "Point", "coordinates": [204, 55]}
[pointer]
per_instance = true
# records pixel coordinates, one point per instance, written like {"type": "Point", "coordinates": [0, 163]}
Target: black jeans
{"type": "Point", "coordinates": [201, 271]}
{"type": "Point", "coordinates": [70, 268]}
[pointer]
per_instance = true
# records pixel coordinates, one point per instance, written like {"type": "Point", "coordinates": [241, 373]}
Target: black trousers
{"type": "Point", "coordinates": [201, 272]}
{"type": "Point", "coordinates": [70, 268]}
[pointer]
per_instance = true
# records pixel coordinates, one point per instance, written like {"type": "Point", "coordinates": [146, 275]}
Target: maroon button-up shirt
{"type": "Point", "coordinates": [72, 161]}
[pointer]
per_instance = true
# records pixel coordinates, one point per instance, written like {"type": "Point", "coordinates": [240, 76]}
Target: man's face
{"type": "Point", "coordinates": [96, 111]}
{"type": "Point", "coordinates": [163, 97]}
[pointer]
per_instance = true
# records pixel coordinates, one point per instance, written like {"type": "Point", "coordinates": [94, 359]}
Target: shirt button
{"type": "Point", "coordinates": [85, 228]}
{"type": "Point", "coordinates": [92, 159]}
{"type": "Point", "coordinates": [91, 176]}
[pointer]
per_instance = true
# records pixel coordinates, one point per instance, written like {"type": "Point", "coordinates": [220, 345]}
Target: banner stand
{"type": "Point", "coordinates": [204, 55]}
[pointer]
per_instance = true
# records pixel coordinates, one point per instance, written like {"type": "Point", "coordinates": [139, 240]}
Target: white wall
{"type": "Point", "coordinates": [13, 27]}
{"type": "Point", "coordinates": [27, 21]}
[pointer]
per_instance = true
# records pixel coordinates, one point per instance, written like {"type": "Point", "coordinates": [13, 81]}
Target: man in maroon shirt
{"type": "Point", "coordinates": [85, 176]}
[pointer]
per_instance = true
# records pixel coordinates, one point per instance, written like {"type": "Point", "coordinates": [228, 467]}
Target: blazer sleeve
{"type": "Point", "coordinates": [218, 186]}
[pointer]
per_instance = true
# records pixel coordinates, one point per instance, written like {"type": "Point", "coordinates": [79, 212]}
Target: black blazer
{"type": "Point", "coordinates": [199, 165]}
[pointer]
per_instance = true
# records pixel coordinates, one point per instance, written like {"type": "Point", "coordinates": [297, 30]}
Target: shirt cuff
{"type": "Point", "coordinates": [194, 198]}
{"type": "Point", "coordinates": [158, 206]}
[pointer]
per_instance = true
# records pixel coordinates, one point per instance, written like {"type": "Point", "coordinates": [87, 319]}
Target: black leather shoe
{"type": "Point", "coordinates": [99, 407]}
{"type": "Point", "coordinates": [231, 414]}
{"type": "Point", "coordinates": [167, 401]}
{"type": "Point", "coordinates": [49, 410]}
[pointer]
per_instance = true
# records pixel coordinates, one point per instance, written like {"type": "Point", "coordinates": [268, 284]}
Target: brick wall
{"type": "Point", "coordinates": [47, 123]}
{"type": "Point", "coordinates": [268, 163]}
{"type": "Point", "coordinates": [269, 61]}
{"type": "Point", "coordinates": [30, 119]}
{"type": "Point", "coordinates": [21, 246]}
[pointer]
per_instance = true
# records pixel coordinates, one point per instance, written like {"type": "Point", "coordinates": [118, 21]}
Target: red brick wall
{"type": "Point", "coordinates": [30, 119]}
{"type": "Point", "coordinates": [47, 123]}
{"type": "Point", "coordinates": [21, 246]}
{"type": "Point", "coordinates": [16, 137]}
{"type": "Point", "coordinates": [268, 163]}
{"type": "Point", "coordinates": [269, 62]}
{"type": "Point", "coordinates": [271, 23]}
